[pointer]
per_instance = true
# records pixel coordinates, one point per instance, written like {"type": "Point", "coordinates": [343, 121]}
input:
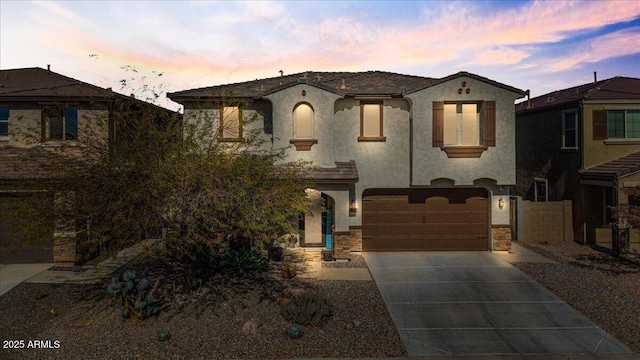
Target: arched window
{"type": "Point", "coordinates": [303, 121]}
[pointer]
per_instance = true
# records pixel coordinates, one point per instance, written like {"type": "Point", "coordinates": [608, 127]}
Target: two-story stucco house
{"type": "Point", "coordinates": [581, 144]}
{"type": "Point", "coordinates": [399, 162]}
{"type": "Point", "coordinates": [44, 113]}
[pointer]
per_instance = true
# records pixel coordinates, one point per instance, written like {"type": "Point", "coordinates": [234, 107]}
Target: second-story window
{"type": "Point", "coordinates": [623, 124]}
{"type": "Point", "coordinates": [230, 123]}
{"type": "Point", "coordinates": [461, 124]}
{"type": "Point", "coordinates": [62, 123]}
{"type": "Point", "coordinates": [570, 129]}
{"type": "Point", "coordinates": [464, 129]}
{"type": "Point", "coordinates": [371, 125]}
{"type": "Point", "coordinates": [4, 121]}
{"type": "Point", "coordinates": [303, 122]}
{"type": "Point", "coordinates": [616, 125]}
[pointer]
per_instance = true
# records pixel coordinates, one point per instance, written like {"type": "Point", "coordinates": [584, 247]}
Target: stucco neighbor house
{"type": "Point", "coordinates": [399, 162]}
{"type": "Point", "coordinates": [44, 113]}
{"type": "Point", "coordinates": [582, 144]}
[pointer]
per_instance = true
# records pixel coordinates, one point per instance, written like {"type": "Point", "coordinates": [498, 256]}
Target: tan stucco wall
{"type": "Point", "coordinates": [431, 163]}
{"type": "Point", "coordinates": [381, 164]}
{"type": "Point", "coordinates": [321, 154]}
{"type": "Point", "coordinates": [25, 127]}
{"type": "Point", "coordinates": [597, 152]}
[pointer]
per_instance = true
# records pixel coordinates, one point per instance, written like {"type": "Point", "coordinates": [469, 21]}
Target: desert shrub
{"type": "Point", "coordinates": [137, 297]}
{"type": "Point", "coordinates": [308, 308]}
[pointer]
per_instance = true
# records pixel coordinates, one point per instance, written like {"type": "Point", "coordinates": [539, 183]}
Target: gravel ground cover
{"type": "Point", "coordinates": [207, 324]}
{"type": "Point", "coordinates": [603, 288]}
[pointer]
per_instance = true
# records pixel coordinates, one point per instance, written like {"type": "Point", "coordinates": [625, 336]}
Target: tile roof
{"type": "Point", "coordinates": [38, 83]}
{"type": "Point", "coordinates": [341, 83]}
{"type": "Point", "coordinates": [344, 172]}
{"type": "Point", "coordinates": [615, 88]}
{"type": "Point", "coordinates": [617, 168]}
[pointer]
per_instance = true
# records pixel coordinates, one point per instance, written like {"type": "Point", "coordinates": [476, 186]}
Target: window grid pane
{"type": "Point", "coordinates": [450, 124]}
{"type": "Point", "coordinates": [4, 121]}
{"type": "Point", "coordinates": [55, 128]}
{"type": "Point", "coordinates": [470, 125]}
{"type": "Point", "coordinates": [302, 126]}
{"type": "Point", "coordinates": [371, 120]}
{"type": "Point", "coordinates": [230, 122]}
{"type": "Point", "coordinates": [633, 124]}
{"type": "Point", "coordinates": [70, 123]}
{"type": "Point", "coordinates": [615, 124]}
{"type": "Point", "coordinates": [570, 126]}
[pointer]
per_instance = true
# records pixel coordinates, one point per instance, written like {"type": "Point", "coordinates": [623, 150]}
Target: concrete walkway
{"type": "Point", "coordinates": [14, 274]}
{"type": "Point", "coordinates": [477, 304]}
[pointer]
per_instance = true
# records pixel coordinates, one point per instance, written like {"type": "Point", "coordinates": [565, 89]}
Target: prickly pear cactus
{"type": "Point", "coordinates": [136, 296]}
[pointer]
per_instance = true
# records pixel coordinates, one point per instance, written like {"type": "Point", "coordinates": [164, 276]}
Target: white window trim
{"type": "Point", "coordinates": [535, 189]}
{"type": "Point", "coordinates": [564, 113]}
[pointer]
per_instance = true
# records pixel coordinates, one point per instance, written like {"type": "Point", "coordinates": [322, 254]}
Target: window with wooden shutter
{"type": "Point", "coordinates": [489, 124]}
{"type": "Point", "coordinates": [599, 124]}
{"type": "Point", "coordinates": [438, 123]}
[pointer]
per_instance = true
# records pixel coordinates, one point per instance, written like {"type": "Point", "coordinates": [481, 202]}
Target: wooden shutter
{"type": "Point", "coordinates": [438, 123]}
{"type": "Point", "coordinates": [599, 124]}
{"type": "Point", "coordinates": [489, 126]}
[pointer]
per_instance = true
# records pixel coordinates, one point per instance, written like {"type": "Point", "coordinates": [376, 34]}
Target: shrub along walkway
{"type": "Point", "coordinates": [308, 265]}
{"type": "Point", "coordinates": [91, 274]}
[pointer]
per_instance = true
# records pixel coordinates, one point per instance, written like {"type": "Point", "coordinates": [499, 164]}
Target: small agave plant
{"type": "Point", "coordinates": [294, 331]}
{"type": "Point", "coordinates": [163, 335]}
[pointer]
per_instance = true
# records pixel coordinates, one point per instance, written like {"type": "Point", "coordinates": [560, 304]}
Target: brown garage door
{"type": "Point", "coordinates": [20, 241]}
{"type": "Point", "coordinates": [392, 223]}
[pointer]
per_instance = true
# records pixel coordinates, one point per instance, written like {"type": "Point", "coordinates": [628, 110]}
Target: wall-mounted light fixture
{"type": "Point", "coordinates": [500, 203]}
{"type": "Point", "coordinates": [352, 206]}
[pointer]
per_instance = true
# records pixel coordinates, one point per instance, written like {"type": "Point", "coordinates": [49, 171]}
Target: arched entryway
{"type": "Point", "coordinates": [316, 225]}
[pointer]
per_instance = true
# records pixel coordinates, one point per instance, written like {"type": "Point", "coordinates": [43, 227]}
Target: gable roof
{"type": "Point", "coordinates": [610, 89]}
{"type": "Point", "coordinates": [373, 83]}
{"type": "Point", "coordinates": [38, 84]}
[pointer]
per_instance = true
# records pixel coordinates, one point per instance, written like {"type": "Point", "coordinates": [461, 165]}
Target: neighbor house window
{"type": "Point", "coordinates": [371, 122]}
{"type": "Point", "coordinates": [62, 123]}
{"type": "Point", "coordinates": [464, 129]}
{"type": "Point", "coordinates": [616, 124]}
{"type": "Point", "coordinates": [303, 122]}
{"type": "Point", "coordinates": [570, 129]}
{"type": "Point", "coordinates": [540, 190]}
{"type": "Point", "coordinates": [4, 121]}
{"type": "Point", "coordinates": [230, 124]}
{"type": "Point", "coordinates": [623, 124]}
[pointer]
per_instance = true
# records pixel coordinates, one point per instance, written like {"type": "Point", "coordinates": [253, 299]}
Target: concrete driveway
{"type": "Point", "coordinates": [13, 274]}
{"type": "Point", "coordinates": [476, 303]}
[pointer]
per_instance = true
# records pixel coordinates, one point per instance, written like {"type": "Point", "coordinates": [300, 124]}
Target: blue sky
{"type": "Point", "coordinates": [538, 45]}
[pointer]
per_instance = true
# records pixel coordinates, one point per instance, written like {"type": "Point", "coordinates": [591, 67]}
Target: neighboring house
{"type": "Point", "coordinates": [581, 144]}
{"type": "Point", "coordinates": [43, 112]}
{"type": "Point", "coordinates": [400, 162]}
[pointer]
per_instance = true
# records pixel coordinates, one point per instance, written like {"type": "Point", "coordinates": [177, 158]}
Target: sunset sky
{"type": "Point", "coordinates": [537, 45]}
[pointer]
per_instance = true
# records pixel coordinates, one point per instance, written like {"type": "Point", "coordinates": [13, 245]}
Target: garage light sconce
{"type": "Point", "coordinates": [352, 207]}
{"type": "Point", "coordinates": [501, 203]}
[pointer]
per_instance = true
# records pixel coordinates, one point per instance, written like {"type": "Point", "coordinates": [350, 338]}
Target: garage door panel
{"type": "Point", "coordinates": [393, 224]}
